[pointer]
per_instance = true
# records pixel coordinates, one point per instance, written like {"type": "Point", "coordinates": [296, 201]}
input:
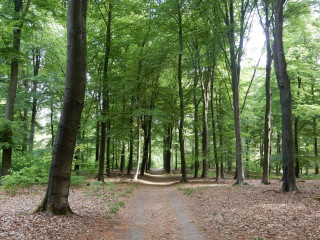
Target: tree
{"type": "Point", "coordinates": [280, 66]}
{"type": "Point", "coordinates": [234, 64]}
{"type": "Point", "coordinates": [56, 198]}
{"type": "Point", "coordinates": [105, 102]}
{"type": "Point", "coordinates": [19, 16]}
{"type": "Point", "coordinates": [267, 119]}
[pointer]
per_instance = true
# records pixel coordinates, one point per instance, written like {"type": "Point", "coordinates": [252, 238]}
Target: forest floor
{"type": "Point", "coordinates": [159, 207]}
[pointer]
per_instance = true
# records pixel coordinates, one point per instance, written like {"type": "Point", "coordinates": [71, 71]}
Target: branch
{"type": "Point", "coordinates": [253, 75]}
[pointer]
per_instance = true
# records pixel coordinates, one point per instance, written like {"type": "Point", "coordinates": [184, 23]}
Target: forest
{"type": "Point", "coordinates": [219, 91]}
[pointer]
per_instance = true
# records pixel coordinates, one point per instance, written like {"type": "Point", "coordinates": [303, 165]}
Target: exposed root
{"type": "Point", "coordinates": [266, 182]}
{"type": "Point", "coordinates": [242, 183]}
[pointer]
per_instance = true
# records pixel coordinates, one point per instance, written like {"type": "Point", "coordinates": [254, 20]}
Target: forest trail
{"type": "Point", "coordinates": [159, 211]}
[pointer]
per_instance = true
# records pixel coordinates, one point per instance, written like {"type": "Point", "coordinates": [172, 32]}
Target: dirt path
{"type": "Point", "coordinates": [158, 211]}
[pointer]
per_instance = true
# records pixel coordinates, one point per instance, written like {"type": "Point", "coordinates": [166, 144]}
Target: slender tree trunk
{"type": "Point", "coordinates": [267, 118]}
{"type": "Point", "coordinates": [296, 147]}
{"type": "Point", "coordinates": [289, 180]}
{"type": "Point", "coordinates": [296, 137]}
{"type": "Point", "coordinates": [168, 149]}
{"type": "Point", "coordinates": [130, 148]}
{"type": "Point", "coordinates": [138, 144]}
{"type": "Point", "coordinates": [145, 146]}
{"type": "Point", "coordinates": [315, 132]}
{"type": "Point", "coordinates": [220, 127]}
{"type": "Point", "coordinates": [123, 159]}
{"type": "Point", "coordinates": [316, 149]}
{"type": "Point", "coordinates": [56, 199]}
{"type": "Point", "coordinates": [213, 121]}
{"type": "Point", "coordinates": [235, 75]}
{"type": "Point", "coordinates": [195, 129]}
{"type": "Point", "coordinates": [181, 124]}
{"type": "Point", "coordinates": [36, 66]}
{"type": "Point", "coordinates": [105, 100]}
{"type": "Point", "coordinates": [12, 88]}
{"type": "Point", "coordinates": [25, 120]}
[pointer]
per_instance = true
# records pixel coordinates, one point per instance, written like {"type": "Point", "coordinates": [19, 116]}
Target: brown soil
{"type": "Point", "coordinates": [158, 209]}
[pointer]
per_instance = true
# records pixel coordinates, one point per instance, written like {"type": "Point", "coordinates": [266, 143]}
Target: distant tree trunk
{"type": "Point", "coordinates": [220, 124]}
{"type": "Point", "coordinates": [181, 124]}
{"type": "Point", "coordinates": [25, 120]}
{"type": "Point", "coordinates": [138, 144]}
{"type": "Point", "coordinates": [56, 198]}
{"type": "Point", "coordinates": [316, 149]}
{"type": "Point", "coordinates": [289, 180]}
{"type": "Point", "coordinates": [296, 137]}
{"type": "Point", "coordinates": [213, 121]}
{"type": "Point", "coordinates": [145, 146]}
{"type": "Point", "coordinates": [105, 100]}
{"type": "Point", "coordinates": [97, 139]}
{"type": "Point", "coordinates": [195, 128]}
{"type": "Point", "coordinates": [12, 88]}
{"type": "Point", "coordinates": [51, 124]}
{"type": "Point", "coordinates": [267, 118]}
{"type": "Point", "coordinates": [123, 159]}
{"type": "Point", "coordinates": [36, 66]}
{"type": "Point", "coordinates": [168, 148]}
{"type": "Point", "coordinates": [315, 132]}
{"type": "Point", "coordinates": [130, 148]}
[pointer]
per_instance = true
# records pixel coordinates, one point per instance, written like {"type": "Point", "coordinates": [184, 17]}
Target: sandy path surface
{"type": "Point", "coordinates": [158, 211]}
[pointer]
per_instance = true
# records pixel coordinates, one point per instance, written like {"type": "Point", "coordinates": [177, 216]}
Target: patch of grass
{"type": "Point", "coordinates": [187, 191]}
{"type": "Point", "coordinates": [310, 177]}
{"type": "Point", "coordinates": [111, 185]}
{"type": "Point", "coordinates": [114, 207]}
{"type": "Point", "coordinates": [257, 238]}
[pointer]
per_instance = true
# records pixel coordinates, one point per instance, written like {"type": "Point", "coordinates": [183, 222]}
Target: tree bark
{"type": "Point", "coordinates": [289, 180]}
{"type": "Point", "coordinates": [56, 198]}
{"type": "Point", "coordinates": [167, 149]}
{"type": "Point", "coordinates": [235, 75]}
{"type": "Point", "coordinates": [36, 66]}
{"type": "Point", "coordinates": [12, 88]}
{"type": "Point", "coordinates": [181, 124]}
{"type": "Point", "coordinates": [105, 101]}
{"type": "Point", "coordinates": [195, 127]}
{"type": "Point", "coordinates": [267, 118]}
{"type": "Point", "coordinates": [123, 159]}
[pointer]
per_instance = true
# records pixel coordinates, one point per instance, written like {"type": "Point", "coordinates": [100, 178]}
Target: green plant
{"type": "Point", "coordinates": [187, 191]}
{"type": "Point", "coordinates": [114, 207]}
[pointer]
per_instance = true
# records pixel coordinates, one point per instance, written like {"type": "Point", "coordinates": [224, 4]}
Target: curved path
{"type": "Point", "coordinates": [158, 211]}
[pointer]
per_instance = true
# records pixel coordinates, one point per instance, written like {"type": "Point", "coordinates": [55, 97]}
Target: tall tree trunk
{"type": "Point", "coordinates": [25, 120]}
{"type": "Point", "coordinates": [36, 66]}
{"type": "Point", "coordinates": [12, 88]}
{"type": "Point", "coordinates": [181, 124]}
{"type": "Point", "coordinates": [195, 128]}
{"type": "Point", "coordinates": [296, 137]}
{"type": "Point", "coordinates": [296, 147]}
{"type": "Point", "coordinates": [105, 99]}
{"type": "Point", "coordinates": [235, 75]}
{"type": "Point", "coordinates": [56, 198]}
{"type": "Point", "coordinates": [289, 180]}
{"type": "Point", "coordinates": [130, 148]}
{"type": "Point", "coordinates": [220, 127]}
{"type": "Point", "coordinates": [315, 132]}
{"type": "Point", "coordinates": [138, 144]}
{"type": "Point", "coordinates": [267, 118]}
{"type": "Point", "coordinates": [145, 146]}
{"type": "Point", "coordinates": [167, 149]}
{"type": "Point", "coordinates": [213, 121]}
{"type": "Point", "coordinates": [123, 159]}
{"type": "Point", "coordinates": [316, 149]}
